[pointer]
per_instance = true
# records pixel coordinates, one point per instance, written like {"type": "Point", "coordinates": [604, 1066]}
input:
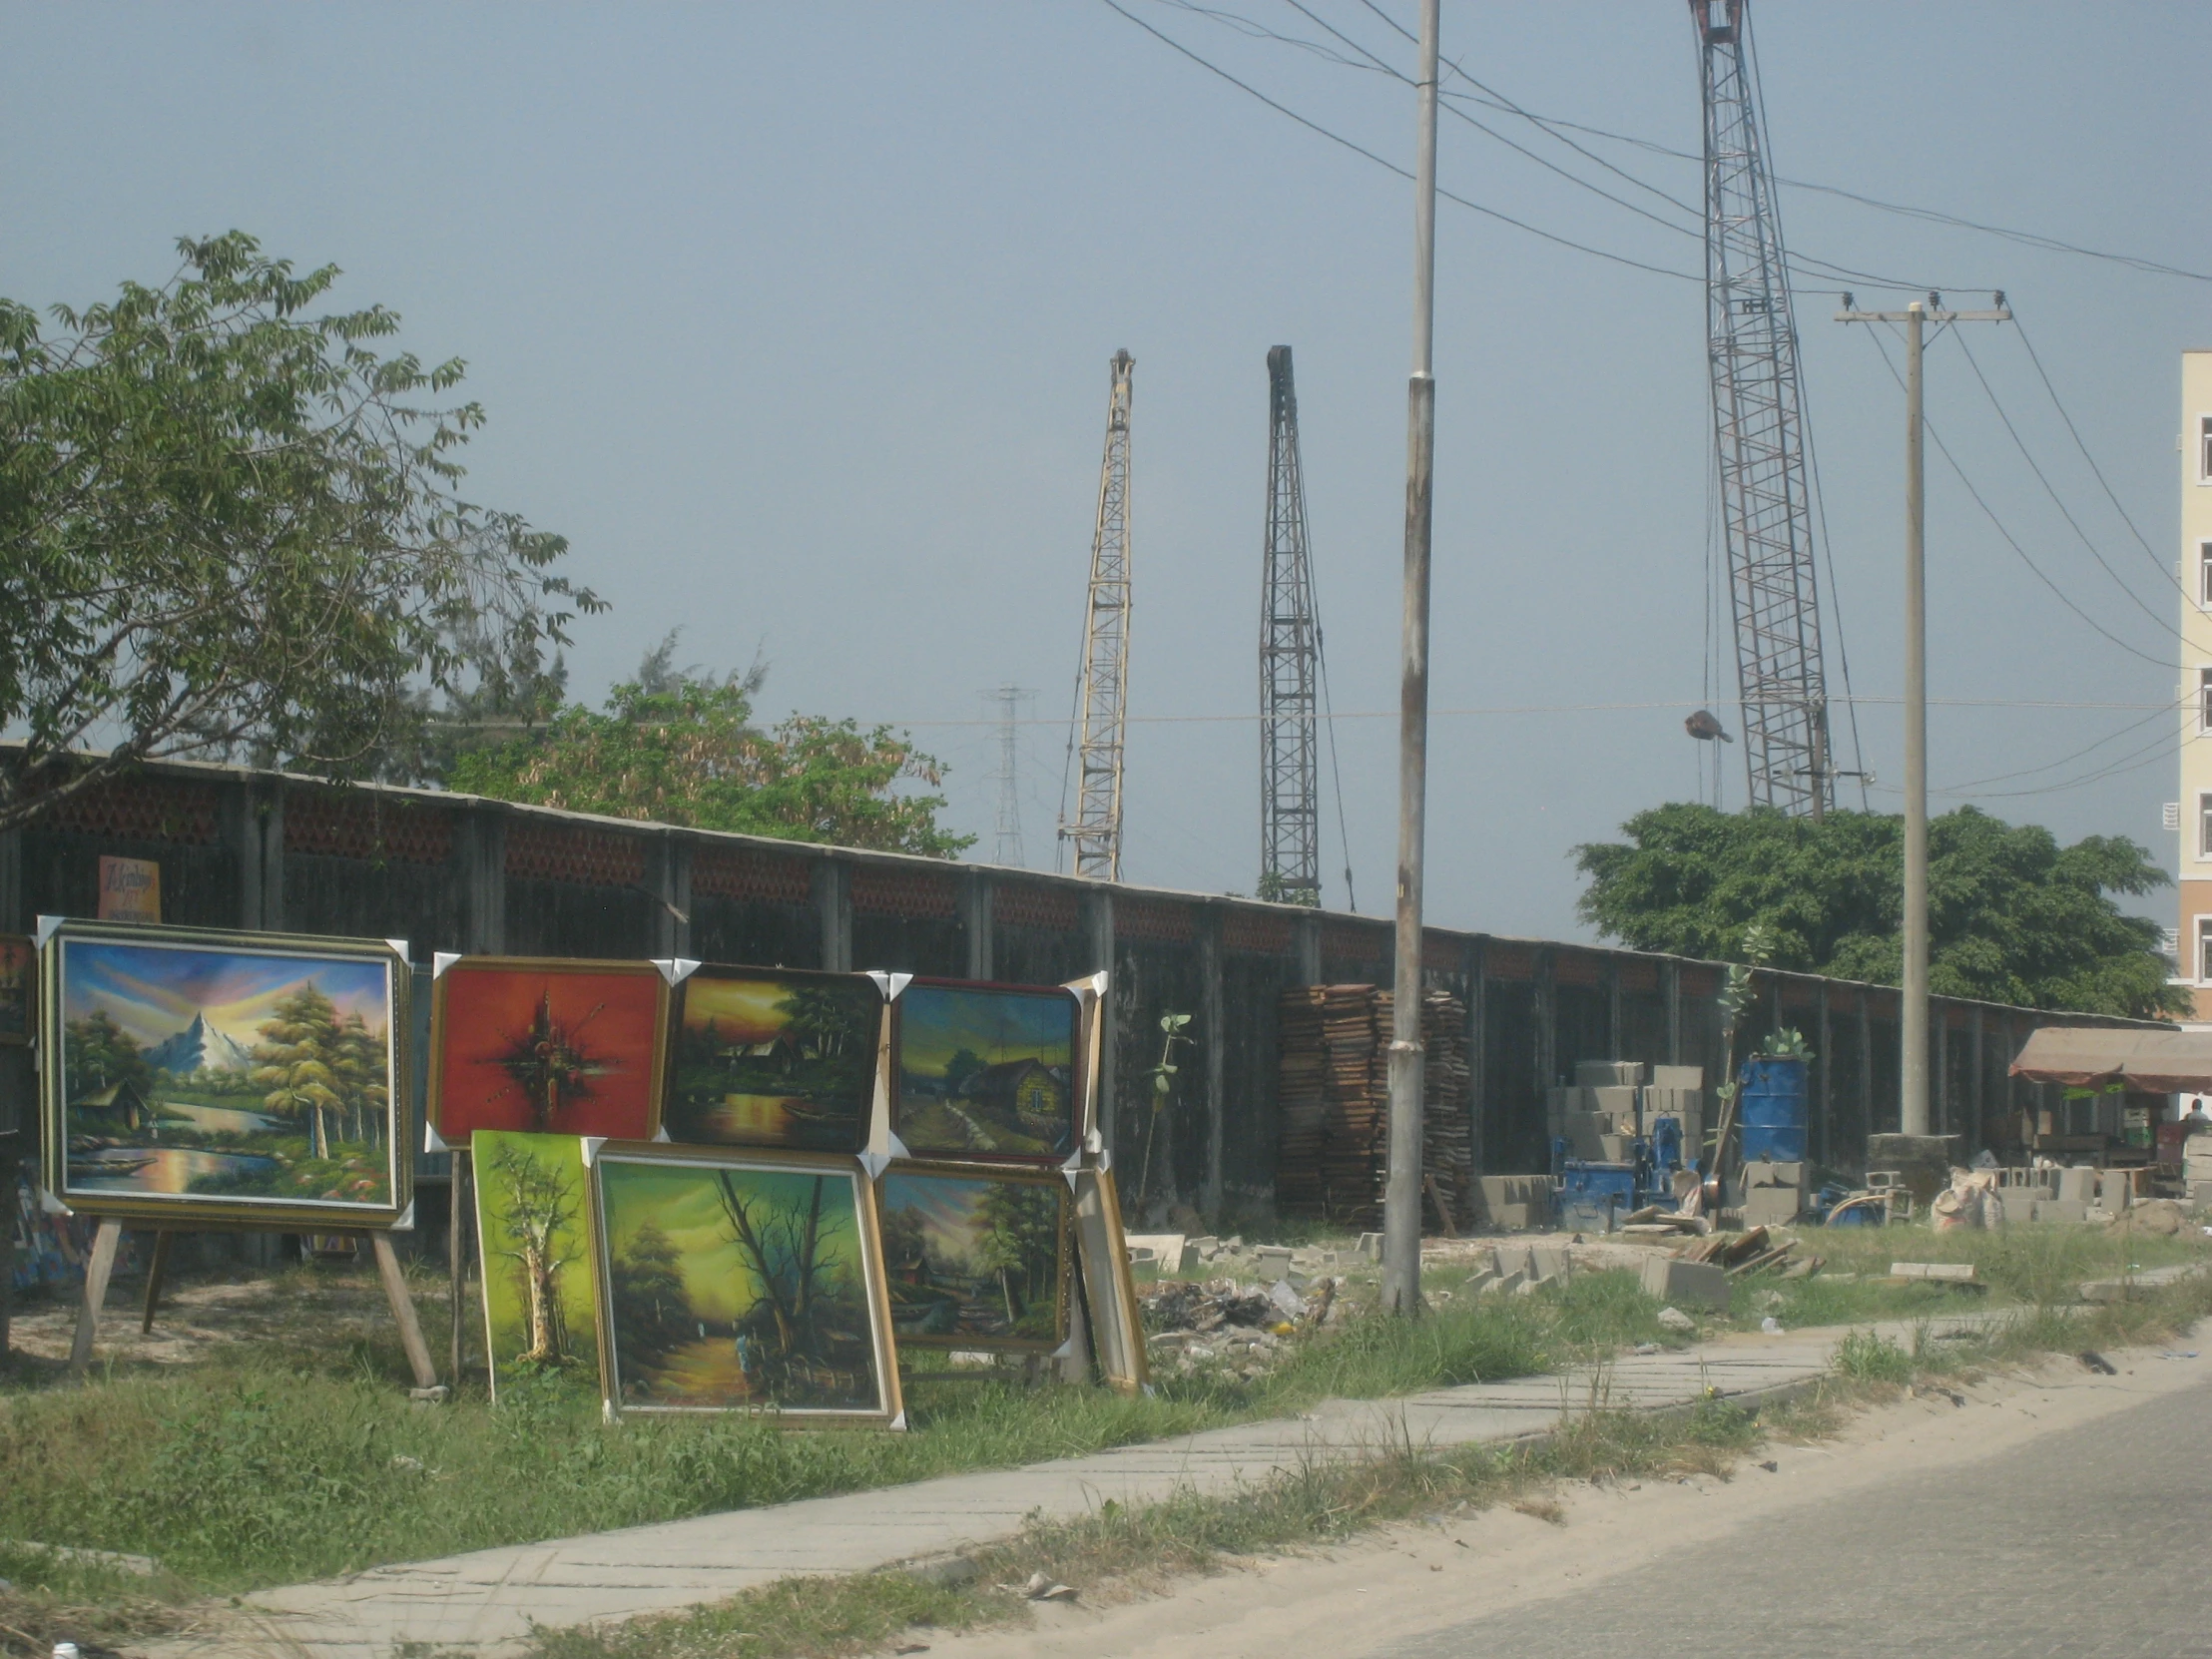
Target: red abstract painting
{"type": "Point", "coordinates": [547, 1047]}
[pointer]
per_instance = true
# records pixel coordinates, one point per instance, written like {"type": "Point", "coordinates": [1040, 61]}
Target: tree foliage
{"type": "Point", "coordinates": [227, 525]}
{"type": "Point", "coordinates": [2013, 915]}
{"type": "Point", "coordinates": [98, 1053]}
{"type": "Point", "coordinates": [680, 747]}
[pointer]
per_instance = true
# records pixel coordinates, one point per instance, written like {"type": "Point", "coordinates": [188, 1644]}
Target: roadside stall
{"type": "Point", "coordinates": [2114, 1102]}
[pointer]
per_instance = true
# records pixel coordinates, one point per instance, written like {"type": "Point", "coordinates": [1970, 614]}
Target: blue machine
{"type": "Point", "coordinates": [1589, 1197]}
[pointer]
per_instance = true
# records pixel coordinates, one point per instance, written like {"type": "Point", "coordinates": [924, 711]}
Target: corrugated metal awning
{"type": "Point", "coordinates": [2086, 1057]}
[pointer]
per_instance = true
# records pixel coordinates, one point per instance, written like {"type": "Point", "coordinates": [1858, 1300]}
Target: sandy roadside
{"type": "Point", "coordinates": [1408, 1580]}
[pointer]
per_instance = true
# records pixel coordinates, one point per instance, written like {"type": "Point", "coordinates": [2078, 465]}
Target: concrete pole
{"type": "Point", "coordinates": [1913, 1014]}
{"type": "Point", "coordinates": [1402, 1197]}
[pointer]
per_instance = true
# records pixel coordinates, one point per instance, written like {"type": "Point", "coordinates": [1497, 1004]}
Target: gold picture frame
{"type": "Point", "coordinates": [940, 1279]}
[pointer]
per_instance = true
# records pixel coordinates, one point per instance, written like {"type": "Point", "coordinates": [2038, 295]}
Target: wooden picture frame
{"type": "Point", "coordinates": [982, 1072]}
{"type": "Point", "coordinates": [794, 1055]}
{"type": "Point", "coordinates": [727, 1242]}
{"type": "Point", "coordinates": [546, 1045]}
{"type": "Point", "coordinates": [1109, 1284]}
{"type": "Point", "coordinates": [535, 1244]}
{"type": "Point", "coordinates": [282, 1100]}
{"type": "Point", "coordinates": [937, 1282]}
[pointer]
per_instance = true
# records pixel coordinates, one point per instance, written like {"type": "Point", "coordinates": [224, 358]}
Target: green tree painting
{"type": "Point", "coordinates": [297, 1062]}
{"type": "Point", "coordinates": [646, 1289]}
{"type": "Point", "coordinates": [97, 1053]}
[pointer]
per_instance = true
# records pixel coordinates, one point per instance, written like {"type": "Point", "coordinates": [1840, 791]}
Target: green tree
{"type": "Point", "coordinates": [360, 1066]}
{"type": "Point", "coordinates": [961, 1071]}
{"type": "Point", "coordinates": [96, 1052]}
{"type": "Point", "coordinates": [229, 525]}
{"type": "Point", "coordinates": [2013, 916]}
{"type": "Point", "coordinates": [536, 1204]}
{"type": "Point", "coordinates": [680, 747]}
{"type": "Point", "coordinates": [1020, 1242]}
{"type": "Point", "coordinates": [296, 1061]}
{"type": "Point", "coordinates": [646, 1287]}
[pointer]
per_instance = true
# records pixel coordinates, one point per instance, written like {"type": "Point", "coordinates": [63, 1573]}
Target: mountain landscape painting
{"type": "Point", "coordinates": [985, 1071]}
{"type": "Point", "coordinates": [774, 1058]}
{"type": "Point", "coordinates": [249, 1077]}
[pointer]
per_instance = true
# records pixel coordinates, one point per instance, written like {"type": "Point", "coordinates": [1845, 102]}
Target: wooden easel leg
{"type": "Point", "coordinates": [104, 1242]}
{"type": "Point", "coordinates": [154, 1273]}
{"type": "Point", "coordinates": [457, 1256]}
{"type": "Point", "coordinates": [403, 1311]}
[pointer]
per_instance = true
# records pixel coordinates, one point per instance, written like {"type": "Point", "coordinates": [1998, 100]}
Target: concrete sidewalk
{"type": "Point", "coordinates": [485, 1601]}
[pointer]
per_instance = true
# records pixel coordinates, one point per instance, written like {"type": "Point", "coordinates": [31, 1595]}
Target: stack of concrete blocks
{"type": "Point", "coordinates": [2077, 1190]}
{"type": "Point", "coordinates": [1597, 1116]}
{"type": "Point", "coordinates": [2019, 1189]}
{"type": "Point", "coordinates": [1773, 1194]}
{"type": "Point", "coordinates": [1518, 1270]}
{"type": "Point", "coordinates": [1674, 1282]}
{"type": "Point", "coordinates": [1676, 1092]}
{"type": "Point", "coordinates": [2196, 1170]}
{"type": "Point", "coordinates": [1514, 1203]}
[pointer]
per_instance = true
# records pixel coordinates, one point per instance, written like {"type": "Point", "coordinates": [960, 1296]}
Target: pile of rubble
{"type": "Point", "coordinates": [1242, 1327]}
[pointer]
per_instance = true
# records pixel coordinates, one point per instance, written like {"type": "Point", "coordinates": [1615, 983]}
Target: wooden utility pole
{"type": "Point", "coordinates": [1402, 1197]}
{"type": "Point", "coordinates": [1913, 1115]}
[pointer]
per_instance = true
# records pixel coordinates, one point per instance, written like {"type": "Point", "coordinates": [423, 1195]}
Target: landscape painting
{"type": "Point", "coordinates": [977, 1259]}
{"type": "Point", "coordinates": [546, 1047]}
{"type": "Point", "coordinates": [742, 1282]}
{"type": "Point", "coordinates": [986, 1071]}
{"type": "Point", "coordinates": [772, 1058]}
{"type": "Point", "coordinates": [199, 1072]}
{"type": "Point", "coordinates": [533, 1232]}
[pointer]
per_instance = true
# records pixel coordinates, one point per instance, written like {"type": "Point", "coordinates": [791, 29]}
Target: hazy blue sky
{"type": "Point", "coordinates": [796, 319]}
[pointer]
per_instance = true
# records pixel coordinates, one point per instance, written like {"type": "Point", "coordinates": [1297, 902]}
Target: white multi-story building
{"type": "Point", "coordinates": [2194, 945]}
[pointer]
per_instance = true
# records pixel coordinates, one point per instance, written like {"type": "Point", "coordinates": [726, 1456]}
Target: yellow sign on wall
{"type": "Point", "coordinates": [130, 890]}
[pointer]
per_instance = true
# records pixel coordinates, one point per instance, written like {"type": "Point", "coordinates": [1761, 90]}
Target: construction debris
{"type": "Point", "coordinates": [1674, 1319]}
{"type": "Point", "coordinates": [1947, 1273]}
{"type": "Point", "coordinates": [1237, 1325]}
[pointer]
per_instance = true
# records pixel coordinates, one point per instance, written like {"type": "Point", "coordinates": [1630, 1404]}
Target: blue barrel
{"type": "Point", "coordinates": [1772, 1110]}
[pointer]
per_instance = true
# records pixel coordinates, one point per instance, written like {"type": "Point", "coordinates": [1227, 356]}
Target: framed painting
{"type": "Point", "coordinates": [1109, 1287]}
{"type": "Point", "coordinates": [988, 1072]}
{"type": "Point", "coordinates": [18, 988]}
{"type": "Point", "coordinates": [742, 1282]}
{"type": "Point", "coordinates": [533, 1235]}
{"type": "Point", "coordinates": [546, 1046]}
{"type": "Point", "coordinates": [977, 1259]}
{"type": "Point", "coordinates": [769, 1057]}
{"type": "Point", "coordinates": [244, 1077]}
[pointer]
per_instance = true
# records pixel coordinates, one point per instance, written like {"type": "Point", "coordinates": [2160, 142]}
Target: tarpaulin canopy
{"type": "Point", "coordinates": [2086, 1057]}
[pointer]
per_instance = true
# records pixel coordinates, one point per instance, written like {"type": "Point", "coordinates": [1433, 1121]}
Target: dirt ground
{"type": "Point", "coordinates": [1380, 1593]}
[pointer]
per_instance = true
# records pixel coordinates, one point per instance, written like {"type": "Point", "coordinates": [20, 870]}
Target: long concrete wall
{"type": "Point", "coordinates": [449, 872]}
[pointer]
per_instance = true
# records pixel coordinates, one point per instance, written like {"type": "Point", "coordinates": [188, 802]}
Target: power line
{"type": "Point", "coordinates": [2058, 404]}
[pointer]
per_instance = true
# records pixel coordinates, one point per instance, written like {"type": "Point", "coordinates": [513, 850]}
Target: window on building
{"type": "Point", "coordinates": [2204, 949]}
{"type": "Point", "coordinates": [2204, 449]}
{"type": "Point", "coordinates": [2204, 574]}
{"type": "Point", "coordinates": [2204, 699]}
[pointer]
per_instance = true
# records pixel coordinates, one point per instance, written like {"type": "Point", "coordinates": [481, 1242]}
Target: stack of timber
{"type": "Point", "coordinates": [1333, 1093]}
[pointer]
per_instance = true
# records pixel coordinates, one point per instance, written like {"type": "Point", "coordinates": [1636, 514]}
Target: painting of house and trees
{"type": "Point", "coordinates": [206, 1075]}
{"type": "Point", "coordinates": [986, 1071]}
{"type": "Point", "coordinates": [774, 1059]}
{"type": "Point", "coordinates": [742, 1282]}
{"type": "Point", "coordinates": [977, 1259]}
{"type": "Point", "coordinates": [533, 1235]}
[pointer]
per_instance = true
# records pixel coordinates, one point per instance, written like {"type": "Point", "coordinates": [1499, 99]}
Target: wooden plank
{"type": "Point", "coordinates": [104, 1242]}
{"type": "Point", "coordinates": [456, 1250]}
{"type": "Point", "coordinates": [155, 1271]}
{"type": "Point", "coordinates": [403, 1311]}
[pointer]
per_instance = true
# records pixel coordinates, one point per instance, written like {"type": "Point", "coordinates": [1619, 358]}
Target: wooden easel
{"type": "Point", "coordinates": [109, 1237]}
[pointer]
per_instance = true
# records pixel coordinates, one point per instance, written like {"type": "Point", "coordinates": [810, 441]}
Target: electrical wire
{"type": "Point", "coordinates": [2058, 404]}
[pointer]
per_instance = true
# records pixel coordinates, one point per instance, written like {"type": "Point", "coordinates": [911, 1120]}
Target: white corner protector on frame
{"type": "Point", "coordinates": [399, 950]}
{"type": "Point", "coordinates": [589, 1145]}
{"type": "Point", "coordinates": [899, 1423]}
{"type": "Point", "coordinates": [442, 960]}
{"type": "Point", "coordinates": [405, 1223]}
{"type": "Point", "coordinates": [893, 1147]}
{"type": "Point", "coordinates": [875, 1163]}
{"type": "Point", "coordinates": [432, 1141]}
{"type": "Point", "coordinates": [1066, 1350]}
{"type": "Point", "coordinates": [50, 1205]}
{"type": "Point", "coordinates": [663, 1136]}
{"type": "Point", "coordinates": [1072, 1173]}
{"type": "Point", "coordinates": [891, 984]}
{"type": "Point", "coordinates": [675, 969]}
{"type": "Point", "coordinates": [1095, 983]}
{"type": "Point", "coordinates": [45, 929]}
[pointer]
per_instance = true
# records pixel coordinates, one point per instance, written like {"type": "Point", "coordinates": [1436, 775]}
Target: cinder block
{"type": "Point", "coordinates": [1515, 1217]}
{"type": "Point", "coordinates": [1678, 1077]}
{"type": "Point", "coordinates": [1765, 1173]}
{"type": "Point", "coordinates": [1676, 1283]}
{"type": "Point", "coordinates": [1619, 1097]}
{"type": "Point", "coordinates": [2115, 1190]}
{"type": "Point", "coordinates": [1772, 1206]}
{"type": "Point", "coordinates": [1602, 1074]}
{"type": "Point", "coordinates": [2061, 1209]}
{"type": "Point", "coordinates": [1547, 1264]}
{"type": "Point", "coordinates": [1274, 1263]}
{"type": "Point", "coordinates": [2077, 1184]}
{"type": "Point", "coordinates": [1616, 1149]}
{"type": "Point", "coordinates": [1583, 1137]}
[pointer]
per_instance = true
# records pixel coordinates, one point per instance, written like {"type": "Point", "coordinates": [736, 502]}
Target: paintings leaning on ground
{"type": "Point", "coordinates": [740, 1282]}
{"type": "Point", "coordinates": [226, 1076]}
{"type": "Point", "coordinates": [986, 1071]}
{"type": "Point", "coordinates": [546, 1046]}
{"type": "Point", "coordinates": [977, 1259]}
{"type": "Point", "coordinates": [533, 1233]}
{"type": "Point", "coordinates": [774, 1058]}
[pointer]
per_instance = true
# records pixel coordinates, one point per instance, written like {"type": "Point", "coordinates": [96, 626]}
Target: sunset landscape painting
{"type": "Point", "coordinates": [774, 1058]}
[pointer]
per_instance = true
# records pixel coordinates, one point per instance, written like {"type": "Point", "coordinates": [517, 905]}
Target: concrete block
{"type": "Point", "coordinates": [1772, 1206]}
{"type": "Point", "coordinates": [1678, 1077]}
{"type": "Point", "coordinates": [2077, 1184]}
{"type": "Point", "coordinates": [1371, 1246]}
{"type": "Point", "coordinates": [1617, 1098]}
{"type": "Point", "coordinates": [1169, 1252]}
{"type": "Point", "coordinates": [1601, 1074]}
{"type": "Point", "coordinates": [1943, 1273]}
{"type": "Point", "coordinates": [1764, 1173]}
{"type": "Point", "coordinates": [1274, 1263]}
{"type": "Point", "coordinates": [2115, 1190]}
{"type": "Point", "coordinates": [1616, 1149]}
{"type": "Point", "coordinates": [1699, 1284]}
{"type": "Point", "coordinates": [1505, 1286]}
{"type": "Point", "coordinates": [2061, 1210]}
{"type": "Point", "coordinates": [1583, 1137]}
{"type": "Point", "coordinates": [1547, 1263]}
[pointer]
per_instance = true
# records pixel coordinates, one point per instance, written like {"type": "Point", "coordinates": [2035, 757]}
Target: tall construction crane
{"type": "Point", "coordinates": [1289, 781]}
{"type": "Point", "coordinates": [1102, 693]}
{"type": "Point", "coordinates": [1759, 434]}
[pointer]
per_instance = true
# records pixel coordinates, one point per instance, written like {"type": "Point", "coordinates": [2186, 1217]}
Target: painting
{"type": "Point", "coordinates": [254, 1077]}
{"type": "Point", "coordinates": [985, 1071]}
{"type": "Point", "coordinates": [18, 988]}
{"type": "Point", "coordinates": [977, 1259]}
{"type": "Point", "coordinates": [742, 1282]}
{"type": "Point", "coordinates": [774, 1058]}
{"type": "Point", "coordinates": [546, 1047]}
{"type": "Point", "coordinates": [533, 1233]}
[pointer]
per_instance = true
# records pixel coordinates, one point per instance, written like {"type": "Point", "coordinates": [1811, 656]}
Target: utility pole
{"type": "Point", "coordinates": [1096, 830]}
{"type": "Point", "coordinates": [1007, 848]}
{"type": "Point", "coordinates": [1401, 1195]}
{"type": "Point", "coordinates": [1913, 1013]}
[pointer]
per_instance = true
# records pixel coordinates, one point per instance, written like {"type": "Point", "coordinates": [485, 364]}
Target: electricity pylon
{"type": "Point", "coordinates": [1096, 830]}
{"type": "Point", "coordinates": [1007, 848]}
{"type": "Point", "coordinates": [1759, 434]}
{"type": "Point", "coordinates": [1289, 777]}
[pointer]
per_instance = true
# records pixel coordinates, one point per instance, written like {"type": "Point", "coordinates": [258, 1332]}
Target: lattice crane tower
{"type": "Point", "coordinates": [1290, 777]}
{"type": "Point", "coordinates": [1759, 430]}
{"type": "Point", "coordinates": [1096, 830]}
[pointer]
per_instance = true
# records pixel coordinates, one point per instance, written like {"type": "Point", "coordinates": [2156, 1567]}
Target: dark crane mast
{"type": "Point", "coordinates": [1759, 434]}
{"type": "Point", "coordinates": [1289, 774]}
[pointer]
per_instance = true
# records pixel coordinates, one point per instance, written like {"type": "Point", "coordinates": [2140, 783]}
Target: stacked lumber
{"type": "Point", "coordinates": [1333, 1095]}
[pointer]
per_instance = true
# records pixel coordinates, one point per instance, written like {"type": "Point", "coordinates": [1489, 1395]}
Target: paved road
{"type": "Point", "coordinates": [2087, 1543]}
